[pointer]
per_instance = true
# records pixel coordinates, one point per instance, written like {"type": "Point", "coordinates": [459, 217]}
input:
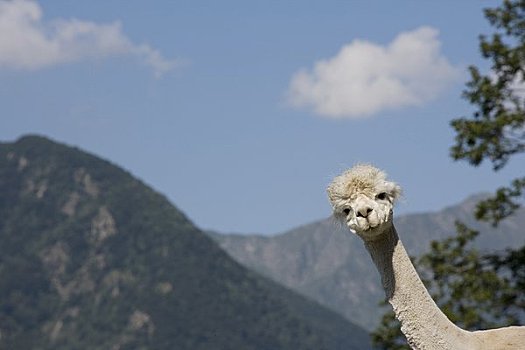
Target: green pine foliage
{"type": "Point", "coordinates": [496, 130]}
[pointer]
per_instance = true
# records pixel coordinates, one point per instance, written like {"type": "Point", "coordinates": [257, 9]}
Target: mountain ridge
{"type": "Point", "coordinates": [323, 261]}
{"type": "Point", "coordinates": [93, 258]}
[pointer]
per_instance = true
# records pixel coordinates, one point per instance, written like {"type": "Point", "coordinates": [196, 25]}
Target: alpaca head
{"type": "Point", "coordinates": [362, 199]}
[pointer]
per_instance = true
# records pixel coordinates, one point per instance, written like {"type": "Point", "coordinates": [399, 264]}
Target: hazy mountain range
{"type": "Point", "coordinates": [325, 262]}
{"type": "Point", "coordinates": [91, 258]}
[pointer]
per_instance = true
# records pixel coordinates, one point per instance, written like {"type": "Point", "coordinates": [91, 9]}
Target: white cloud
{"type": "Point", "coordinates": [365, 78]}
{"type": "Point", "coordinates": [28, 42]}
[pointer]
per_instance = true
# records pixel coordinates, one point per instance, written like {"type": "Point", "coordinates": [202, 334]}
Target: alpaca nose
{"type": "Point", "coordinates": [364, 211]}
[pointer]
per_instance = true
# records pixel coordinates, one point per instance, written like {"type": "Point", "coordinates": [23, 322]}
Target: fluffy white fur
{"type": "Point", "coordinates": [362, 199]}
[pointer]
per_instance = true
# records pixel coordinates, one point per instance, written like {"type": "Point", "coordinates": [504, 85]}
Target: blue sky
{"type": "Point", "coordinates": [242, 112]}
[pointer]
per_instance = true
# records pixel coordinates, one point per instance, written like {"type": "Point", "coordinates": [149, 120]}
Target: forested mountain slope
{"type": "Point", "coordinates": [91, 258]}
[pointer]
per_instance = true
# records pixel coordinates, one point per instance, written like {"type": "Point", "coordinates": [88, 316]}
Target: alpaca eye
{"type": "Point", "coordinates": [346, 211]}
{"type": "Point", "coordinates": [382, 196]}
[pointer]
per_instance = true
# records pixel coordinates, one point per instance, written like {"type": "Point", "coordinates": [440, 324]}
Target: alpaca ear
{"type": "Point", "coordinates": [394, 190]}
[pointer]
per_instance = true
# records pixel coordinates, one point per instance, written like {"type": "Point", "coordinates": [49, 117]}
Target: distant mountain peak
{"type": "Point", "coordinates": [324, 262]}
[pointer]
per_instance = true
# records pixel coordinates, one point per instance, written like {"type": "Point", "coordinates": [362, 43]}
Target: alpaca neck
{"type": "Point", "coordinates": [422, 322]}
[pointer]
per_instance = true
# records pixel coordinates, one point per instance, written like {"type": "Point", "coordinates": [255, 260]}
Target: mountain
{"type": "Point", "coordinates": [91, 258]}
{"type": "Point", "coordinates": [328, 264]}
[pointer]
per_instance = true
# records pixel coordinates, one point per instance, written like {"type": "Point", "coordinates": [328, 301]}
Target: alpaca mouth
{"type": "Point", "coordinates": [370, 227]}
{"type": "Point", "coordinates": [364, 227]}
{"type": "Point", "coordinates": [367, 224]}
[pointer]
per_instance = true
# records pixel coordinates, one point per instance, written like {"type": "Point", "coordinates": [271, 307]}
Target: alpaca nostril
{"type": "Point", "coordinates": [364, 212]}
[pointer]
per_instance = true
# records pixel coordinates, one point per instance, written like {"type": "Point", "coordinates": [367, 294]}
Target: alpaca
{"type": "Point", "coordinates": [362, 199]}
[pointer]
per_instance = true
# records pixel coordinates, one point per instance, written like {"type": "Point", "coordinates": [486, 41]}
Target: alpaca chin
{"type": "Point", "coordinates": [372, 233]}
